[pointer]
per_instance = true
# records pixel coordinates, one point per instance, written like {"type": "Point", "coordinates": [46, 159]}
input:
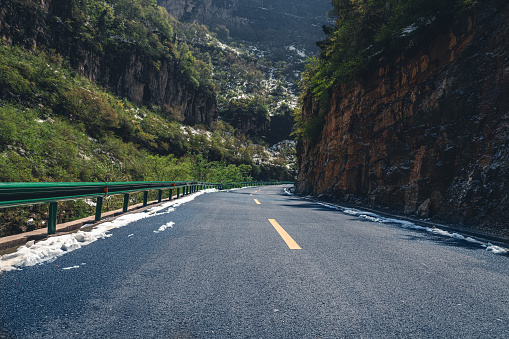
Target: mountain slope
{"type": "Point", "coordinates": [127, 46]}
{"type": "Point", "coordinates": [99, 91]}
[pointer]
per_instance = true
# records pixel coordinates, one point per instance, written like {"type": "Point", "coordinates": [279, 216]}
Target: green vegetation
{"type": "Point", "coordinates": [238, 77]}
{"type": "Point", "coordinates": [367, 32]}
{"type": "Point", "coordinates": [56, 122]}
{"type": "Point", "coordinates": [58, 126]}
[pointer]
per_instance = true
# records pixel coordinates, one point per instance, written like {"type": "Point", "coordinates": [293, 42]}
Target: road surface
{"type": "Point", "coordinates": [258, 263]}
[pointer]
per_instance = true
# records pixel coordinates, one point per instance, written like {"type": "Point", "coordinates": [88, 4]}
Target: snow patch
{"type": "Point", "coordinates": [47, 250]}
{"type": "Point", "coordinates": [164, 227]}
{"type": "Point", "coordinates": [409, 29]}
{"type": "Point", "coordinates": [410, 225]}
{"type": "Point", "coordinates": [300, 53]}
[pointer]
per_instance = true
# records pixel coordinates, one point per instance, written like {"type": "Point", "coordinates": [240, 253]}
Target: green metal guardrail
{"type": "Point", "coordinates": [22, 194]}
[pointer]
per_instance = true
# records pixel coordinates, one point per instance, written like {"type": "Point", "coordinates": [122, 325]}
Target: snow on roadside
{"type": "Point", "coordinates": [33, 253]}
{"type": "Point", "coordinates": [410, 225]}
{"type": "Point", "coordinates": [164, 227]}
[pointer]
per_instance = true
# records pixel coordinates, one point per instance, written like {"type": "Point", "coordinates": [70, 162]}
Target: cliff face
{"type": "Point", "coordinates": [132, 74]}
{"type": "Point", "coordinates": [425, 135]}
{"type": "Point", "coordinates": [212, 13]}
{"type": "Point", "coordinates": [274, 23]}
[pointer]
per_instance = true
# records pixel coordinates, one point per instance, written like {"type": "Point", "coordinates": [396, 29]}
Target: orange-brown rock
{"type": "Point", "coordinates": [427, 134]}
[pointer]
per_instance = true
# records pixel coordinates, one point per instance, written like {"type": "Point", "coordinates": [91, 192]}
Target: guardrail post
{"type": "Point", "coordinates": [145, 198]}
{"type": "Point", "coordinates": [98, 208]}
{"type": "Point", "coordinates": [178, 192]}
{"type": "Point", "coordinates": [160, 196]}
{"type": "Point", "coordinates": [126, 203]}
{"type": "Point", "coordinates": [171, 193]}
{"type": "Point", "coordinates": [52, 218]}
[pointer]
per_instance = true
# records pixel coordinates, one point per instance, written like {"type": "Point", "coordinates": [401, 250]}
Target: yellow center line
{"type": "Point", "coordinates": [257, 202]}
{"type": "Point", "coordinates": [286, 237]}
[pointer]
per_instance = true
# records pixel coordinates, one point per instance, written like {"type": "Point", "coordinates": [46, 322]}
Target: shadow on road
{"type": "Point", "coordinates": [411, 234]}
{"type": "Point", "coordinates": [440, 240]}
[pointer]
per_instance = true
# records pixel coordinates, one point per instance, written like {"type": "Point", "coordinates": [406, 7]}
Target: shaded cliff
{"type": "Point", "coordinates": [140, 65]}
{"type": "Point", "coordinates": [213, 13]}
{"type": "Point", "coordinates": [277, 23]}
{"type": "Point", "coordinates": [427, 134]}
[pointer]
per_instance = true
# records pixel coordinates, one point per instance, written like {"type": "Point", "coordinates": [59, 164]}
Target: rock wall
{"type": "Point", "coordinates": [34, 24]}
{"type": "Point", "coordinates": [274, 23]}
{"type": "Point", "coordinates": [426, 135]}
{"type": "Point", "coordinates": [212, 13]}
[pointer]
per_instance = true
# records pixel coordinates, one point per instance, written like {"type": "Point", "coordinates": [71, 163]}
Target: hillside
{"type": "Point", "coordinates": [111, 91]}
{"type": "Point", "coordinates": [408, 112]}
{"type": "Point", "coordinates": [264, 46]}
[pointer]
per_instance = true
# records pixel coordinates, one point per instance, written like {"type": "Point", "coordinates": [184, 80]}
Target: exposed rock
{"type": "Point", "coordinates": [424, 209]}
{"type": "Point", "coordinates": [212, 13]}
{"type": "Point", "coordinates": [429, 130]}
{"type": "Point", "coordinates": [275, 22]}
{"type": "Point", "coordinates": [131, 74]}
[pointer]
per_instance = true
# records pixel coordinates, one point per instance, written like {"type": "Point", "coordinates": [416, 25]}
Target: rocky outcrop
{"type": "Point", "coordinates": [275, 23]}
{"type": "Point", "coordinates": [427, 134]}
{"type": "Point", "coordinates": [132, 73]}
{"type": "Point", "coordinates": [164, 86]}
{"type": "Point", "coordinates": [212, 13]}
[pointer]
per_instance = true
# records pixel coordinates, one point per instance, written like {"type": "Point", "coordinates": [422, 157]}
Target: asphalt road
{"type": "Point", "coordinates": [224, 271]}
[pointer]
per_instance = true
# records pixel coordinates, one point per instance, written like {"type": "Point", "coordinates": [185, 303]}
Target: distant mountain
{"type": "Point", "coordinates": [274, 23]}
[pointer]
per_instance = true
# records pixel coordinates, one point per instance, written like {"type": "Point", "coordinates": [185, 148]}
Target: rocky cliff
{"type": "Point", "coordinates": [427, 134]}
{"type": "Point", "coordinates": [132, 73]}
{"type": "Point", "coordinates": [276, 24]}
{"type": "Point", "coordinates": [212, 13]}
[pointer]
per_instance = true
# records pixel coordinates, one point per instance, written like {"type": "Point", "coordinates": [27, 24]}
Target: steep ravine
{"type": "Point", "coordinates": [426, 135]}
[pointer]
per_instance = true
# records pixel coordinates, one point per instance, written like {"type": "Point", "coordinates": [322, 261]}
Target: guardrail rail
{"type": "Point", "coordinates": [33, 193]}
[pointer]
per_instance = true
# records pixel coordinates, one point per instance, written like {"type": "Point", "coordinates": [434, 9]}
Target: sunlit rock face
{"type": "Point", "coordinates": [427, 134]}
